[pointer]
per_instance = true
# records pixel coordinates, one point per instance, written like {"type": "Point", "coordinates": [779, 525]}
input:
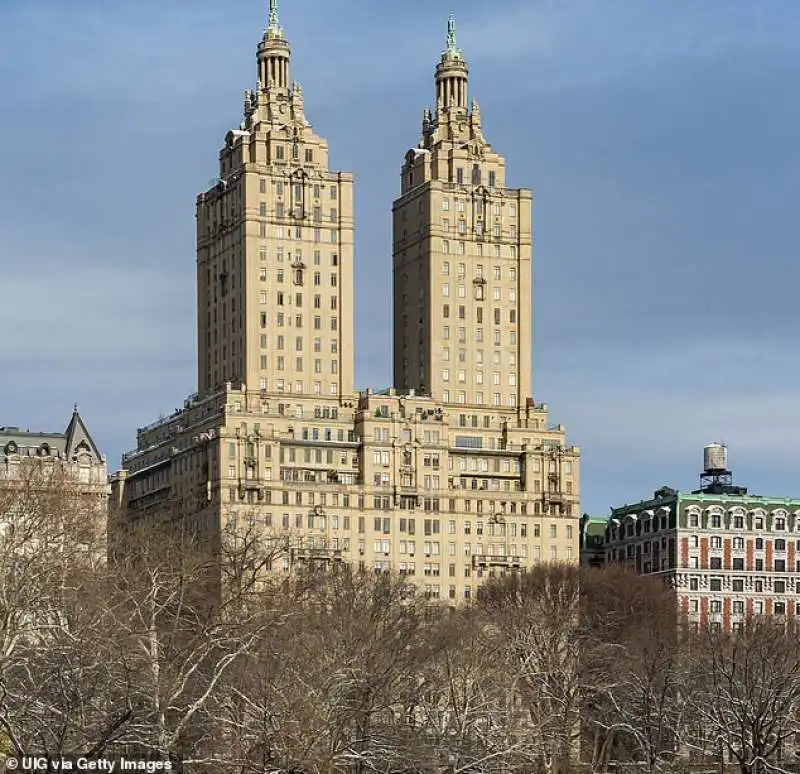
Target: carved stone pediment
{"type": "Point", "coordinates": [476, 149]}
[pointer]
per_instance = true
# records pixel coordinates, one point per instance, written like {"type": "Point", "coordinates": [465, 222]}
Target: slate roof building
{"type": "Point", "coordinates": [74, 447]}
{"type": "Point", "coordinates": [69, 460]}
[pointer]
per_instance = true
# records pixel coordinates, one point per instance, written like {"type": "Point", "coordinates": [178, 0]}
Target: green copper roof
{"type": "Point", "coordinates": [703, 497]}
{"type": "Point", "coordinates": [596, 526]}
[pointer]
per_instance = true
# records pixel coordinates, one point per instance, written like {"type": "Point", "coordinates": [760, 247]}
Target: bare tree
{"type": "Point", "coordinates": [537, 620]}
{"type": "Point", "coordinates": [48, 530]}
{"type": "Point", "coordinates": [634, 677]}
{"type": "Point", "coordinates": [250, 562]}
{"type": "Point", "coordinates": [177, 645]}
{"type": "Point", "coordinates": [53, 690]}
{"type": "Point", "coordinates": [64, 698]}
{"type": "Point", "coordinates": [745, 695]}
{"type": "Point", "coordinates": [460, 706]}
{"type": "Point", "coordinates": [321, 693]}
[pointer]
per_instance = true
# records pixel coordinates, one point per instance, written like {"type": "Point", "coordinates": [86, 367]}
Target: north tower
{"type": "Point", "coordinates": [462, 246]}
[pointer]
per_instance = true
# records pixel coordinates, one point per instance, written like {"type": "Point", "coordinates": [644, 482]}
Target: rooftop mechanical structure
{"type": "Point", "coordinates": [716, 478]}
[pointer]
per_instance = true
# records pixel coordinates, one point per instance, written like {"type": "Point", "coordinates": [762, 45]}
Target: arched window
{"type": "Point", "coordinates": [693, 517]}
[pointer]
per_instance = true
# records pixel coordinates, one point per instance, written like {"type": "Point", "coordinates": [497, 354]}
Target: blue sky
{"type": "Point", "coordinates": [660, 140]}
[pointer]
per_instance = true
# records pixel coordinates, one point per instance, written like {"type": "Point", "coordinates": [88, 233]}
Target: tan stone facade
{"type": "Point", "coordinates": [275, 249]}
{"type": "Point", "coordinates": [276, 439]}
{"type": "Point", "coordinates": [462, 260]}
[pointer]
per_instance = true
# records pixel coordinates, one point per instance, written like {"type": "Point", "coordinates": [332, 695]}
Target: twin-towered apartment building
{"type": "Point", "coordinates": [454, 474]}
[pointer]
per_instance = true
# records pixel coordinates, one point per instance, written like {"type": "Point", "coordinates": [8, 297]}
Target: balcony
{"type": "Point", "coordinates": [496, 560]}
{"type": "Point", "coordinates": [316, 555]}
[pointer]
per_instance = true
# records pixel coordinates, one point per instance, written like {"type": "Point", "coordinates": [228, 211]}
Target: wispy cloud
{"type": "Point", "coordinates": [95, 316]}
{"type": "Point", "coordinates": [651, 412]}
{"type": "Point", "coordinates": [583, 43]}
{"type": "Point", "coordinates": [658, 223]}
{"type": "Point", "coordinates": [144, 51]}
{"type": "Point", "coordinates": [163, 52]}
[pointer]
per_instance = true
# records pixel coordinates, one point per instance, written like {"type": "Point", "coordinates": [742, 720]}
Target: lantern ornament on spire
{"type": "Point", "coordinates": [273, 54]}
{"type": "Point", "coordinates": [452, 77]}
{"type": "Point", "coordinates": [452, 50]}
{"type": "Point", "coordinates": [273, 26]}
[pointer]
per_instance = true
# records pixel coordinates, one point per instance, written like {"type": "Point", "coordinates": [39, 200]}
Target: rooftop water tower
{"type": "Point", "coordinates": [716, 478]}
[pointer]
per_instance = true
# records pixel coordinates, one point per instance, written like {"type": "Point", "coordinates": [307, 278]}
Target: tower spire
{"type": "Point", "coordinates": [451, 76]}
{"type": "Point", "coordinates": [451, 34]}
{"type": "Point", "coordinates": [273, 26]}
{"type": "Point", "coordinates": [273, 54]}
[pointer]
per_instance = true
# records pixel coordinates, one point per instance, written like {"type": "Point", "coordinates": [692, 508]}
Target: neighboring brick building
{"type": "Point", "coordinates": [727, 553]}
